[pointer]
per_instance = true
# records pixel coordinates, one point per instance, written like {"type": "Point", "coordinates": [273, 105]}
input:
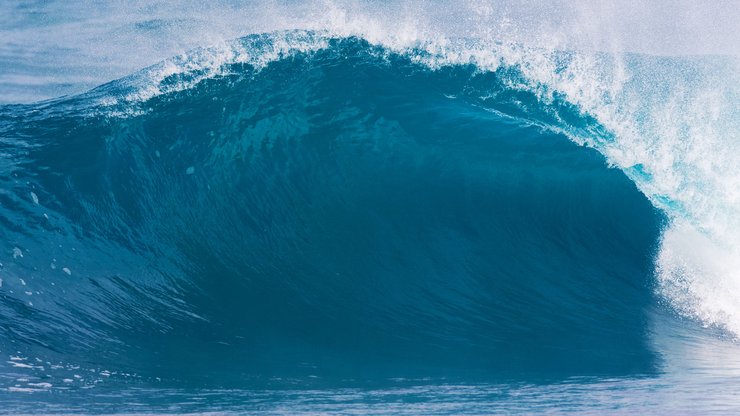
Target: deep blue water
{"type": "Point", "coordinates": [338, 230]}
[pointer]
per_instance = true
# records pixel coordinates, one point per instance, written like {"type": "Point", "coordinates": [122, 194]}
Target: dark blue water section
{"type": "Point", "coordinates": [334, 218]}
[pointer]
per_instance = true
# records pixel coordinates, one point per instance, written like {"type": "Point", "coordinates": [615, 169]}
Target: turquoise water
{"type": "Point", "coordinates": [308, 222]}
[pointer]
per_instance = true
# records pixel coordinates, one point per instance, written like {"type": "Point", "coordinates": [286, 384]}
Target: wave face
{"type": "Point", "coordinates": [304, 209]}
{"type": "Point", "coordinates": [336, 212]}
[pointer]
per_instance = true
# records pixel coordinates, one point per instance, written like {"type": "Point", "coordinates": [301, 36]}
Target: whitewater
{"type": "Point", "coordinates": [344, 207]}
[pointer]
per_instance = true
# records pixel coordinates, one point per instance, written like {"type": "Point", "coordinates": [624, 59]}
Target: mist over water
{"type": "Point", "coordinates": [49, 49]}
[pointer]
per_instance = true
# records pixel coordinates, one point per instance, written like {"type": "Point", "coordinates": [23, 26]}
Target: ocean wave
{"type": "Point", "coordinates": [655, 118]}
{"type": "Point", "coordinates": [338, 210]}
